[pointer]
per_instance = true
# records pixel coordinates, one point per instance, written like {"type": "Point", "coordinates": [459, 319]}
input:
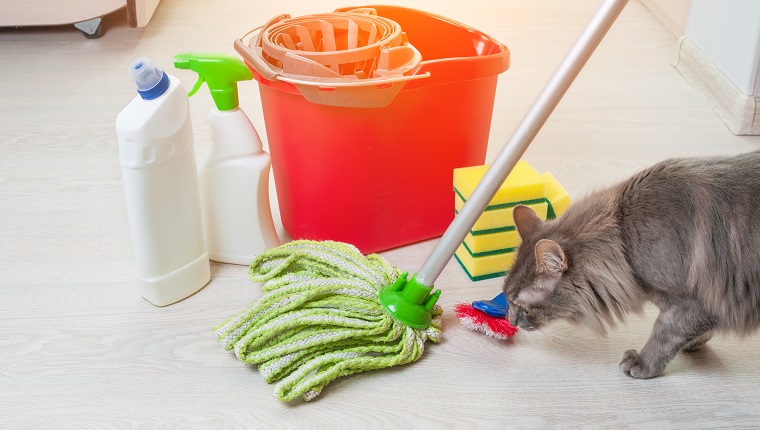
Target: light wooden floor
{"type": "Point", "coordinates": [80, 348]}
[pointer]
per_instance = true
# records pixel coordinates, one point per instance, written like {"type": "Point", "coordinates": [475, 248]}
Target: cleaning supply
{"type": "Point", "coordinates": [335, 126]}
{"type": "Point", "coordinates": [482, 266]}
{"type": "Point", "coordinates": [234, 179]}
{"type": "Point", "coordinates": [161, 187]}
{"type": "Point", "coordinates": [300, 280]}
{"type": "Point", "coordinates": [496, 307]}
{"type": "Point", "coordinates": [489, 249]}
{"type": "Point", "coordinates": [522, 186]}
{"type": "Point", "coordinates": [487, 316]}
{"type": "Point", "coordinates": [319, 317]}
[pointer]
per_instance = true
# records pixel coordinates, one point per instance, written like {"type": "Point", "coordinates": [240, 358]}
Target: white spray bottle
{"type": "Point", "coordinates": [234, 179]}
{"type": "Point", "coordinates": [161, 187]}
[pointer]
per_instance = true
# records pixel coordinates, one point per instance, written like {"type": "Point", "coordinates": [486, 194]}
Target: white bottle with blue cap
{"type": "Point", "coordinates": [160, 178]}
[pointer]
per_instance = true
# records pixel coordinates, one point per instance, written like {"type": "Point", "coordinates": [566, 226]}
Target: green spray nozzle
{"type": "Point", "coordinates": [221, 72]}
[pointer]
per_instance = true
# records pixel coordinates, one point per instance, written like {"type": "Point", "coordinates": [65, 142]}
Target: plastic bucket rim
{"type": "Point", "coordinates": [500, 59]}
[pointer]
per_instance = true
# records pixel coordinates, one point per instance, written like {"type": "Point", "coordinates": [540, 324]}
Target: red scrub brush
{"type": "Point", "coordinates": [487, 316]}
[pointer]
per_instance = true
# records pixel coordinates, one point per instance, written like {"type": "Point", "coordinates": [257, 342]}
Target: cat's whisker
{"type": "Point", "coordinates": [555, 335]}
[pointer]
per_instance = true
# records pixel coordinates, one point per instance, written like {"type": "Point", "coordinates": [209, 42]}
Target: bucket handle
{"type": "Point", "coordinates": [258, 63]}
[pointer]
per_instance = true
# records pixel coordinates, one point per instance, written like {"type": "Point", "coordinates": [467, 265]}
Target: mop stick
{"type": "Point", "coordinates": [526, 131]}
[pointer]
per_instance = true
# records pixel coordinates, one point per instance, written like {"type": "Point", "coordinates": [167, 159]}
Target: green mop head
{"type": "Point", "coordinates": [320, 317]}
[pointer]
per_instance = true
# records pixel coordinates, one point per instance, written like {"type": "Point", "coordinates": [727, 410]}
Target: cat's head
{"type": "Point", "coordinates": [537, 287]}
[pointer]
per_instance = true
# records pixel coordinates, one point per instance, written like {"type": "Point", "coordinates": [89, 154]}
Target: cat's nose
{"type": "Point", "coordinates": [522, 320]}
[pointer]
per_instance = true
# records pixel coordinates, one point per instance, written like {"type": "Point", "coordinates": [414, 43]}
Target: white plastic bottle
{"type": "Point", "coordinates": [161, 187]}
{"type": "Point", "coordinates": [234, 179]}
{"type": "Point", "coordinates": [235, 191]}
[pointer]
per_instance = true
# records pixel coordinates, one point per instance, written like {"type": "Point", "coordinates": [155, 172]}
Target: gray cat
{"type": "Point", "coordinates": [683, 234]}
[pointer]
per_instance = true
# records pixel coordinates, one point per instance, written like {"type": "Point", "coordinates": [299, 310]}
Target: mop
{"type": "Point", "coordinates": [319, 318]}
{"type": "Point", "coordinates": [328, 311]}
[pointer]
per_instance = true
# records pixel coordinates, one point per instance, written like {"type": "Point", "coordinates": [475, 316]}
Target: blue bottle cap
{"type": "Point", "coordinates": [150, 81]}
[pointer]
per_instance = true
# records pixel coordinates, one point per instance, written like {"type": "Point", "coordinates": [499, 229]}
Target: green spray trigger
{"type": "Point", "coordinates": [197, 86]}
{"type": "Point", "coordinates": [221, 72]}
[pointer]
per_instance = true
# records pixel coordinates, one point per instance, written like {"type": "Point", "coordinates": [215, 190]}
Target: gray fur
{"type": "Point", "coordinates": [683, 234]}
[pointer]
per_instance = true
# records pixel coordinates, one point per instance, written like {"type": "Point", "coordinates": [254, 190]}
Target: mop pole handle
{"type": "Point", "coordinates": [521, 138]}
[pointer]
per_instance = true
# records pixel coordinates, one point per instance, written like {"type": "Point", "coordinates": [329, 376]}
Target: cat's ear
{"type": "Point", "coordinates": [526, 221]}
{"type": "Point", "coordinates": [551, 262]}
{"type": "Point", "coordinates": [550, 257]}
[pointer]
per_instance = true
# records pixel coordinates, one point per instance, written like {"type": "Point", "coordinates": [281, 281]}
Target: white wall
{"type": "Point", "coordinates": [728, 32]}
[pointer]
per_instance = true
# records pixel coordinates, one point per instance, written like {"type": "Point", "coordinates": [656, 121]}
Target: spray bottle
{"type": "Point", "coordinates": [161, 187]}
{"type": "Point", "coordinates": [234, 179]}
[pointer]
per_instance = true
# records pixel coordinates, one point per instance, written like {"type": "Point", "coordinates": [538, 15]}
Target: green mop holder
{"type": "Point", "coordinates": [409, 302]}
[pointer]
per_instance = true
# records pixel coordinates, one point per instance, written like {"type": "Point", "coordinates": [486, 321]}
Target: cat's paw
{"type": "Point", "coordinates": [633, 366]}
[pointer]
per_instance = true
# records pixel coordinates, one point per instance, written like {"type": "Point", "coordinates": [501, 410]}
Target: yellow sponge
{"type": "Point", "coordinates": [489, 249]}
{"type": "Point", "coordinates": [523, 184]}
{"type": "Point", "coordinates": [504, 238]}
{"type": "Point", "coordinates": [487, 266]}
{"type": "Point", "coordinates": [557, 196]}
{"type": "Point", "coordinates": [498, 216]}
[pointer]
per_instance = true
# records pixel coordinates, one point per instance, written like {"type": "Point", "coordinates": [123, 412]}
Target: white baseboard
{"type": "Point", "coordinates": [740, 112]}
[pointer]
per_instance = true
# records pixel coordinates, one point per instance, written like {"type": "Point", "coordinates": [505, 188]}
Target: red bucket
{"type": "Point", "coordinates": [380, 177]}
